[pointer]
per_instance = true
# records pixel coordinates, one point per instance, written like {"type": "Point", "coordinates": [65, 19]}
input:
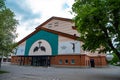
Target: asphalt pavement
{"type": "Point", "coordinates": [17, 72]}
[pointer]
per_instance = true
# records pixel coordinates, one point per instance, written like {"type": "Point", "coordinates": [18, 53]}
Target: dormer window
{"type": "Point", "coordinates": [56, 24]}
{"type": "Point", "coordinates": [49, 25]}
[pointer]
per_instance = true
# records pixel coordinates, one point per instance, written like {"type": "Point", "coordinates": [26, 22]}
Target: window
{"type": "Point", "coordinates": [72, 61]}
{"type": "Point", "coordinates": [49, 25]}
{"type": "Point", "coordinates": [60, 61]}
{"type": "Point", "coordinates": [56, 24]}
{"type": "Point", "coordinates": [66, 61]}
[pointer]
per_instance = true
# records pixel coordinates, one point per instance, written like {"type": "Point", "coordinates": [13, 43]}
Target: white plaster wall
{"type": "Point", "coordinates": [21, 49]}
{"type": "Point", "coordinates": [62, 26]}
{"type": "Point", "coordinates": [67, 47]}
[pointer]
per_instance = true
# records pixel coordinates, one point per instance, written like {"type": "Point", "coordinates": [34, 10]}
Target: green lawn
{"type": "Point", "coordinates": [1, 72]}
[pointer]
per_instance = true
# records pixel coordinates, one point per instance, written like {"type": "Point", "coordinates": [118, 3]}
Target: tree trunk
{"type": "Point", "coordinates": [114, 49]}
{"type": "Point", "coordinates": [110, 42]}
{"type": "Point", "coordinates": [2, 58]}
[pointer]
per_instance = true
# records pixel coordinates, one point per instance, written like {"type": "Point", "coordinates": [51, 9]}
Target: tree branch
{"type": "Point", "coordinates": [110, 42]}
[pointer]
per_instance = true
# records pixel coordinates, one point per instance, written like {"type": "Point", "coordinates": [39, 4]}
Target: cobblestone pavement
{"type": "Point", "coordinates": [43, 73]}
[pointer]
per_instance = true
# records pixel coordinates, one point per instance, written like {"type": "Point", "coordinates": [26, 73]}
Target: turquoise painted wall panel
{"type": "Point", "coordinates": [50, 37]}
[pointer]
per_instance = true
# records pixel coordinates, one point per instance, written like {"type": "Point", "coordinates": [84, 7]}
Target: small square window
{"type": "Point", "coordinates": [60, 61]}
{"type": "Point", "coordinates": [66, 61]}
{"type": "Point", "coordinates": [72, 61]}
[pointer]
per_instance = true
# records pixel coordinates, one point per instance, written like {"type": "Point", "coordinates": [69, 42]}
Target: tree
{"type": "Point", "coordinates": [114, 60]}
{"type": "Point", "coordinates": [8, 25]}
{"type": "Point", "coordinates": [98, 22]}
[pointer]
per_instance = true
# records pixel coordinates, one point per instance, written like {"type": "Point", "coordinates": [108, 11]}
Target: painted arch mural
{"type": "Point", "coordinates": [42, 43]}
{"type": "Point", "coordinates": [40, 47]}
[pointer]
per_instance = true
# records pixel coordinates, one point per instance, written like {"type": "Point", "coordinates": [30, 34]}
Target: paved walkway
{"type": "Point", "coordinates": [51, 73]}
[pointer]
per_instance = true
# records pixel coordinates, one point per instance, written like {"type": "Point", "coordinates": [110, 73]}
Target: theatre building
{"type": "Point", "coordinates": [55, 43]}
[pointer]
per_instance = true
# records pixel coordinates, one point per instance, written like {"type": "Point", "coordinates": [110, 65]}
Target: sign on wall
{"type": "Point", "coordinates": [40, 47]}
{"type": "Point", "coordinates": [69, 47]}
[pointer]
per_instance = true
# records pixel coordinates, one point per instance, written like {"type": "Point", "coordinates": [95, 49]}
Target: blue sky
{"type": "Point", "coordinates": [31, 13]}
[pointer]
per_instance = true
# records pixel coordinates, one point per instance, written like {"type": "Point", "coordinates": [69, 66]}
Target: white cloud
{"type": "Point", "coordinates": [25, 28]}
{"type": "Point", "coordinates": [46, 9]}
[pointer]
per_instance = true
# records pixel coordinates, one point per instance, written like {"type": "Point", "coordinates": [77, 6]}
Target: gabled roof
{"type": "Point", "coordinates": [56, 18]}
{"type": "Point", "coordinates": [37, 29]}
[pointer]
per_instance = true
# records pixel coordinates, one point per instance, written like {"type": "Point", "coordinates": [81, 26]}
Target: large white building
{"type": "Point", "coordinates": [55, 43]}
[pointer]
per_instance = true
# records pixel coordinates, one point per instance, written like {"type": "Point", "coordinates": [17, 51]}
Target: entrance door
{"type": "Point", "coordinates": [92, 62]}
{"type": "Point", "coordinates": [40, 61]}
{"type": "Point", "coordinates": [34, 61]}
{"type": "Point", "coordinates": [44, 61]}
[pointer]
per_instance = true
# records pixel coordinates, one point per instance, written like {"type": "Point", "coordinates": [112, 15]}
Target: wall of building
{"type": "Point", "coordinates": [21, 60]}
{"type": "Point", "coordinates": [81, 60]}
{"type": "Point", "coordinates": [62, 26]}
{"type": "Point", "coordinates": [49, 44]}
{"type": "Point", "coordinates": [66, 46]}
{"type": "Point", "coordinates": [99, 61]}
{"type": "Point", "coordinates": [51, 38]}
{"type": "Point", "coordinates": [52, 45]}
{"type": "Point", "coordinates": [69, 60]}
{"type": "Point", "coordinates": [20, 49]}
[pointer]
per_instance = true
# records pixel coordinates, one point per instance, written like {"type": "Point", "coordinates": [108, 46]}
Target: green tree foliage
{"type": "Point", "coordinates": [115, 59]}
{"type": "Point", "coordinates": [7, 28]}
{"type": "Point", "coordinates": [98, 22]}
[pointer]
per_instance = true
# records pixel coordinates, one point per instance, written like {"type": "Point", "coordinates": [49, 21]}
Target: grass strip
{"type": "Point", "coordinates": [1, 72]}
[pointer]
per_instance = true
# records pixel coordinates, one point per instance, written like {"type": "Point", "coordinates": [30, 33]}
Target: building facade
{"type": "Point", "coordinates": [55, 43]}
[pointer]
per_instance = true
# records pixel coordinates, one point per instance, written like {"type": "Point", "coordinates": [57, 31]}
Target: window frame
{"type": "Point", "coordinates": [66, 61]}
{"type": "Point", "coordinates": [72, 61]}
{"type": "Point", "coordinates": [60, 61]}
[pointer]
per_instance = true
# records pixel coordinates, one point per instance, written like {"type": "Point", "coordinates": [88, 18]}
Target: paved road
{"type": "Point", "coordinates": [51, 73]}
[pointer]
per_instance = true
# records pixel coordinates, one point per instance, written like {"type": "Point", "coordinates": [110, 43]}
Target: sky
{"type": "Point", "coordinates": [31, 13]}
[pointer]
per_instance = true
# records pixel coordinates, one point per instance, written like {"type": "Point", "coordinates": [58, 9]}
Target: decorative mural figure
{"type": "Point", "coordinates": [42, 48]}
{"type": "Point", "coordinates": [63, 47]}
{"type": "Point", "coordinates": [35, 49]}
{"type": "Point", "coordinates": [73, 46]}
